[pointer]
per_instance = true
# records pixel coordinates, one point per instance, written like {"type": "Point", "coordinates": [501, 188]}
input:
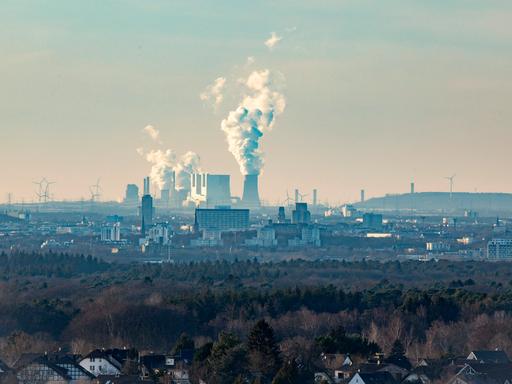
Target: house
{"type": "Point", "coordinates": [373, 378]}
{"type": "Point", "coordinates": [488, 357]}
{"type": "Point", "coordinates": [70, 364]}
{"type": "Point", "coordinates": [120, 379]}
{"type": "Point", "coordinates": [338, 365]}
{"type": "Point", "coordinates": [483, 374]}
{"type": "Point", "coordinates": [424, 374]}
{"type": "Point", "coordinates": [173, 365]}
{"type": "Point", "coordinates": [37, 369]}
{"type": "Point", "coordinates": [322, 378]}
{"type": "Point", "coordinates": [103, 362]}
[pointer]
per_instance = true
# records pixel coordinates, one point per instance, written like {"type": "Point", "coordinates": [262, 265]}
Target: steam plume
{"type": "Point", "coordinates": [213, 92]}
{"type": "Point", "coordinates": [273, 40]}
{"type": "Point", "coordinates": [152, 132]}
{"type": "Point", "coordinates": [254, 116]}
{"type": "Point", "coordinates": [164, 163]}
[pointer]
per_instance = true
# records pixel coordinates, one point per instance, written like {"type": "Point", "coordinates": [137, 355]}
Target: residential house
{"type": "Point", "coordinates": [478, 373]}
{"type": "Point", "coordinates": [102, 362]}
{"type": "Point", "coordinates": [37, 369]}
{"type": "Point", "coordinates": [373, 378]}
{"type": "Point", "coordinates": [488, 357]}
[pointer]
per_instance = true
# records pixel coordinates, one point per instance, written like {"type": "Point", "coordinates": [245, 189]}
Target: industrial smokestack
{"type": "Point", "coordinates": [147, 183]}
{"type": "Point", "coordinates": [251, 197]}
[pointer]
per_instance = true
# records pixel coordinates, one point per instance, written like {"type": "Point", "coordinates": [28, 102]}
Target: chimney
{"type": "Point", "coordinates": [146, 186]}
{"type": "Point", "coordinates": [251, 197]}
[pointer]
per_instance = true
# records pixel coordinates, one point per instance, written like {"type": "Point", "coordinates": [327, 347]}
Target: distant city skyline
{"type": "Point", "coordinates": [365, 94]}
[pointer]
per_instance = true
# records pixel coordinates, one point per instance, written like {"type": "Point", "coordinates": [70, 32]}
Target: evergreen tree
{"type": "Point", "coordinates": [184, 343]}
{"type": "Point", "coordinates": [264, 356]}
{"type": "Point", "coordinates": [397, 355]}
{"type": "Point", "coordinates": [227, 360]}
{"type": "Point", "coordinates": [288, 374]}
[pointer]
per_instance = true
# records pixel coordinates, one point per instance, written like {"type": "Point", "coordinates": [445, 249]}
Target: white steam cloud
{"type": "Point", "coordinates": [273, 40]}
{"type": "Point", "coordinates": [152, 132]}
{"type": "Point", "coordinates": [165, 164]}
{"type": "Point", "coordinates": [213, 92]}
{"type": "Point", "coordinates": [254, 116]}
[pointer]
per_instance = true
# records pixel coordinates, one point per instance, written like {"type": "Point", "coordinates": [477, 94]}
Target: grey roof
{"type": "Point", "coordinates": [378, 378]}
{"type": "Point", "coordinates": [491, 356]}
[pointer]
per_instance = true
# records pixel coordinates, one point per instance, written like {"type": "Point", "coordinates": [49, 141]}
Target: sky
{"type": "Point", "coordinates": [378, 93]}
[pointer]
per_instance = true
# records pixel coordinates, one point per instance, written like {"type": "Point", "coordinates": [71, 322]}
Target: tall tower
{"type": "Point", "coordinates": [315, 197]}
{"type": "Point", "coordinates": [362, 196]}
{"type": "Point", "coordinates": [146, 210]}
{"type": "Point", "coordinates": [251, 197]}
{"type": "Point", "coordinates": [297, 200]}
{"type": "Point", "coordinates": [412, 187]}
{"type": "Point", "coordinates": [146, 186]}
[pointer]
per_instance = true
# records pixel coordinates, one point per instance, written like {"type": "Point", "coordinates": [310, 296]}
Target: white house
{"type": "Point", "coordinates": [100, 363]}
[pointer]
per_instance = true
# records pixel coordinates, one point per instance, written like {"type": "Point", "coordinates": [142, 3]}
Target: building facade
{"type": "Point", "coordinates": [222, 219]}
{"type": "Point", "coordinates": [499, 249]}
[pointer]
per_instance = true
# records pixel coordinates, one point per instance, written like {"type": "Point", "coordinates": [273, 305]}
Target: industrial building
{"type": "Point", "coordinates": [221, 219]}
{"type": "Point", "coordinates": [209, 238]}
{"type": "Point", "coordinates": [310, 236]}
{"type": "Point", "coordinates": [301, 215]}
{"type": "Point", "coordinates": [111, 233]}
{"type": "Point", "coordinates": [266, 237]}
{"type": "Point", "coordinates": [132, 194]}
{"type": "Point", "coordinates": [372, 220]}
{"type": "Point", "coordinates": [160, 234]}
{"type": "Point", "coordinates": [499, 249]}
{"type": "Point", "coordinates": [209, 190]}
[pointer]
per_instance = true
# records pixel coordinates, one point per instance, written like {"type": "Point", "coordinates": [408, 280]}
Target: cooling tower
{"type": "Point", "coordinates": [251, 197]}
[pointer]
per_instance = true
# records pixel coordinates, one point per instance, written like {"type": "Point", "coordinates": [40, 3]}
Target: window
{"type": "Point", "coordinates": [91, 368]}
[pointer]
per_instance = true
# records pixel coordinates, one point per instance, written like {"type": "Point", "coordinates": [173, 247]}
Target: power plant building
{"type": "Point", "coordinates": [209, 190]}
{"type": "Point", "coordinates": [222, 219]}
{"type": "Point", "coordinates": [301, 215]}
{"type": "Point", "coordinates": [132, 194]}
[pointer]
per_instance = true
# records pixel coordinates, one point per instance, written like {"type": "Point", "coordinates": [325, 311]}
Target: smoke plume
{"type": "Point", "coordinates": [273, 40]}
{"type": "Point", "coordinates": [164, 163]}
{"type": "Point", "coordinates": [213, 92]}
{"type": "Point", "coordinates": [152, 132]}
{"type": "Point", "coordinates": [254, 116]}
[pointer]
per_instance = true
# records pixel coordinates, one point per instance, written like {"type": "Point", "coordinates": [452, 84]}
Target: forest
{"type": "Point", "coordinates": [302, 308]}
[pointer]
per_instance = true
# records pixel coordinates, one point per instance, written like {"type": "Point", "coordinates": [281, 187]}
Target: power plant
{"type": "Point", "coordinates": [251, 196]}
{"type": "Point", "coordinates": [209, 190]}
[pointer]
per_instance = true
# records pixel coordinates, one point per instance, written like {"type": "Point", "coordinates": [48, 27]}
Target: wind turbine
{"type": "Point", "coordinates": [302, 196]}
{"type": "Point", "coordinates": [450, 178]}
{"type": "Point", "coordinates": [288, 200]}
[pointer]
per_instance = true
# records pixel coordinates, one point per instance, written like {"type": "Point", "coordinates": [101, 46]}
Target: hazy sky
{"type": "Point", "coordinates": [377, 92]}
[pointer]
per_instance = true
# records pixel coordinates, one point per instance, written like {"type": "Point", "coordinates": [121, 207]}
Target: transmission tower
{"type": "Point", "coordinates": [43, 190]}
{"type": "Point", "coordinates": [95, 191]}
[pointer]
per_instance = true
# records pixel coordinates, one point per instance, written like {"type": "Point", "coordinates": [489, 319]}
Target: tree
{"type": "Point", "coordinates": [397, 355]}
{"type": "Point", "coordinates": [227, 359]}
{"type": "Point", "coordinates": [184, 343]}
{"type": "Point", "coordinates": [287, 374]}
{"type": "Point", "coordinates": [264, 355]}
